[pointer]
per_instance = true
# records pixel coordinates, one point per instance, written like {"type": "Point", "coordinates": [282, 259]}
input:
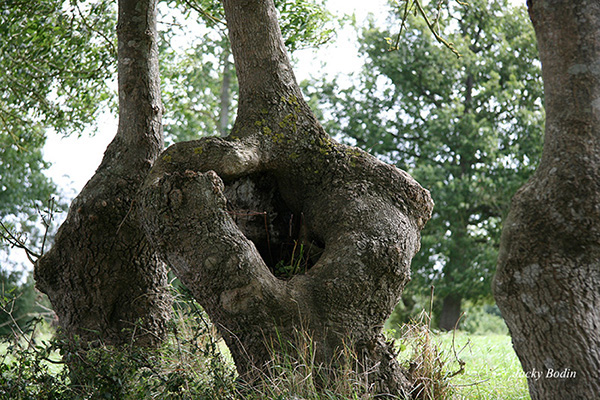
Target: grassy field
{"type": "Point", "coordinates": [491, 370]}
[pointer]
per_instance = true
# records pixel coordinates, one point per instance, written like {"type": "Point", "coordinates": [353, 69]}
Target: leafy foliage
{"type": "Point", "coordinates": [21, 170]}
{"type": "Point", "coordinates": [305, 23]}
{"type": "Point", "coordinates": [467, 128]}
{"type": "Point", "coordinates": [57, 57]}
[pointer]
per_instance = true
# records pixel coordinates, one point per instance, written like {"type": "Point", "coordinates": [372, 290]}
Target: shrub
{"type": "Point", "coordinates": [483, 319]}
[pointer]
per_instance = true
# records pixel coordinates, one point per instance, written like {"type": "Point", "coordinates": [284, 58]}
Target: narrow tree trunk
{"type": "Point", "coordinates": [548, 269]}
{"type": "Point", "coordinates": [102, 276]}
{"type": "Point", "coordinates": [225, 99]}
{"type": "Point", "coordinates": [295, 194]}
{"type": "Point", "coordinates": [450, 312]}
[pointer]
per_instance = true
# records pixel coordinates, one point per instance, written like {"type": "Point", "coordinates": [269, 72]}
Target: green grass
{"type": "Point", "coordinates": [489, 368]}
{"type": "Point", "coordinates": [492, 370]}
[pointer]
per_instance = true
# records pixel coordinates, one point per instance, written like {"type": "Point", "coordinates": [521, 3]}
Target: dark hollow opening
{"type": "Point", "coordinates": [281, 236]}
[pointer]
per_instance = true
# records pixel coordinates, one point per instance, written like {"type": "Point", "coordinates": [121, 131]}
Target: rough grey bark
{"type": "Point", "coordinates": [548, 269]}
{"type": "Point", "coordinates": [104, 280]}
{"type": "Point", "coordinates": [288, 186]}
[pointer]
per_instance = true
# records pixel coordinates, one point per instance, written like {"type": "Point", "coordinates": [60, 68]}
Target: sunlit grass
{"type": "Point", "coordinates": [491, 367]}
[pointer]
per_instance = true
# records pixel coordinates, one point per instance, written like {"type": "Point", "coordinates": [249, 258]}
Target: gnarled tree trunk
{"type": "Point", "coordinates": [224, 213]}
{"type": "Point", "coordinates": [548, 278]}
{"type": "Point", "coordinates": [103, 278]}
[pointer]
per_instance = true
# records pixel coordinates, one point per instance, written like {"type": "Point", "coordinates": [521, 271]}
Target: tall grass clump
{"type": "Point", "coordinates": [194, 363]}
{"type": "Point", "coordinates": [294, 373]}
{"type": "Point", "coordinates": [429, 366]}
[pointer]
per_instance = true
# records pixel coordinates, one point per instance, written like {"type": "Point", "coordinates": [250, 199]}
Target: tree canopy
{"type": "Point", "coordinates": [57, 57]}
{"type": "Point", "coordinates": [468, 128]}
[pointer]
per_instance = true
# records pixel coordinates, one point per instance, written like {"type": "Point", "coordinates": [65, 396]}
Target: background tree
{"type": "Point", "coordinates": [58, 57]}
{"type": "Point", "coordinates": [467, 128]}
{"type": "Point", "coordinates": [548, 275]}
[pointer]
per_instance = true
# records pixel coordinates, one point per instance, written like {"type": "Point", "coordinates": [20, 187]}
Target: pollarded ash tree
{"type": "Point", "coordinates": [227, 213]}
{"type": "Point", "coordinates": [548, 273]}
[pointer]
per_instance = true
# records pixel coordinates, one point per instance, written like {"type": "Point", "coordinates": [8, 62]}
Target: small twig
{"type": "Point", "coordinates": [125, 217]}
{"type": "Point", "coordinates": [202, 11]}
{"type": "Point", "coordinates": [460, 362]}
{"type": "Point", "coordinates": [431, 25]}
{"type": "Point", "coordinates": [472, 384]}
{"type": "Point", "coordinates": [402, 25]}
{"type": "Point", "coordinates": [15, 325]}
{"type": "Point", "coordinates": [47, 222]}
{"type": "Point", "coordinates": [112, 50]}
{"type": "Point", "coordinates": [15, 241]}
{"type": "Point", "coordinates": [433, 31]}
{"type": "Point", "coordinates": [14, 320]}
